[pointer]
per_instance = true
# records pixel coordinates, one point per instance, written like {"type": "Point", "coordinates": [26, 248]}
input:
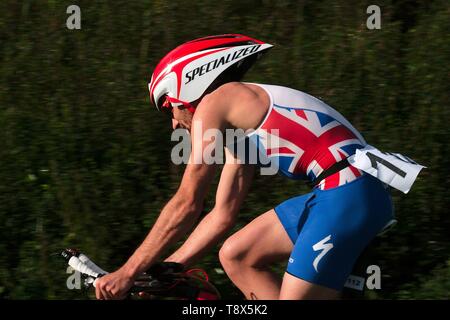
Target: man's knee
{"type": "Point", "coordinates": [231, 253]}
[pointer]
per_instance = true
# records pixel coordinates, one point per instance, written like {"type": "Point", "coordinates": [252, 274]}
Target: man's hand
{"type": "Point", "coordinates": [113, 286]}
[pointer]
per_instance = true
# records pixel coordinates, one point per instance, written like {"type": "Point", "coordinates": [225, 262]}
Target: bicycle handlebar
{"type": "Point", "coordinates": [81, 263]}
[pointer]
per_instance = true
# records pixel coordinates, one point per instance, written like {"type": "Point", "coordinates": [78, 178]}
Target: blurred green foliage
{"type": "Point", "coordinates": [85, 160]}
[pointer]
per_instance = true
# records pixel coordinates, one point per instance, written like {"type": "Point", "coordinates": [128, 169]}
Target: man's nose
{"type": "Point", "coordinates": [175, 124]}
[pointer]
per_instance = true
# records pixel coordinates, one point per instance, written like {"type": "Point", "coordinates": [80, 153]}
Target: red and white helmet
{"type": "Point", "coordinates": [192, 69]}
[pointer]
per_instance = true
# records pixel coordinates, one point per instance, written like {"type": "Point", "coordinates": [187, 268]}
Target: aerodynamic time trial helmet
{"type": "Point", "coordinates": [199, 66]}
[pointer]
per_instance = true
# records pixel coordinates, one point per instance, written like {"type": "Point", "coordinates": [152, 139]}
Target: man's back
{"type": "Point", "coordinates": [298, 133]}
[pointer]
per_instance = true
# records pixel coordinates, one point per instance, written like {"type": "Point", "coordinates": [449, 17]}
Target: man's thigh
{"type": "Point", "coordinates": [264, 240]}
{"type": "Point", "coordinates": [294, 288]}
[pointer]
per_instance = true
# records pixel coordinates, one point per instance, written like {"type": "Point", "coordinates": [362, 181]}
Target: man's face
{"type": "Point", "coordinates": [181, 115]}
{"type": "Point", "coordinates": [181, 118]}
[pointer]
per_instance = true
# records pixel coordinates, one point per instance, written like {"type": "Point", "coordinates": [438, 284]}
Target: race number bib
{"type": "Point", "coordinates": [394, 169]}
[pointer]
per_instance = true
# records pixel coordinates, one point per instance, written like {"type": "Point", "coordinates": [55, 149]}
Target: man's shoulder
{"type": "Point", "coordinates": [239, 104]}
{"type": "Point", "coordinates": [231, 89]}
{"type": "Point", "coordinates": [229, 94]}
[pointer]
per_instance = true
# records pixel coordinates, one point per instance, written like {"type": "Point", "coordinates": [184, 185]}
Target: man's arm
{"type": "Point", "coordinates": [179, 215]}
{"type": "Point", "coordinates": [176, 219]}
{"type": "Point", "coordinates": [182, 212]}
{"type": "Point", "coordinates": [233, 186]}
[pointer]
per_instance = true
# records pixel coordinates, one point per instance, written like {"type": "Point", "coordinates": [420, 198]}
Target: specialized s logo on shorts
{"type": "Point", "coordinates": [325, 247]}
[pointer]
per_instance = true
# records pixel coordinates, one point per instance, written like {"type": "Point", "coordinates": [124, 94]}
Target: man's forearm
{"type": "Point", "coordinates": [175, 220]}
{"type": "Point", "coordinates": [207, 234]}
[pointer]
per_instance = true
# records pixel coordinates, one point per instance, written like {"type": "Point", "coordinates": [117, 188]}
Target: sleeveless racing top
{"type": "Point", "coordinates": [302, 136]}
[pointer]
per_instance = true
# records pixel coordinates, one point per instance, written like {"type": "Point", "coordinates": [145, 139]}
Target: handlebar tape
{"type": "Point", "coordinates": [82, 267]}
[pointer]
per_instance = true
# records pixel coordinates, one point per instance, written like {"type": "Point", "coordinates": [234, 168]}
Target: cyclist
{"type": "Point", "coordinates": [319, 234]}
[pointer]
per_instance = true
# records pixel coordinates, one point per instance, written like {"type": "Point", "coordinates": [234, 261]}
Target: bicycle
{"type": "Point", "coordinates": [162, 280]}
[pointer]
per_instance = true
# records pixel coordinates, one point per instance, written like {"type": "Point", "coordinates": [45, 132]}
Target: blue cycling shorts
{"type": "Point", "coordinates": [330, 228]}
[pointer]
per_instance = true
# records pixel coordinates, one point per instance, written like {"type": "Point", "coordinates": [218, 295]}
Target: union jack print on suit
{"type": "Point", "coordinates": [305, 142]}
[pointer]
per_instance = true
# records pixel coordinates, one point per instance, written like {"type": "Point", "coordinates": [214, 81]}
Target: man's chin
{"type": "Point", "coordinates": [188, 129]}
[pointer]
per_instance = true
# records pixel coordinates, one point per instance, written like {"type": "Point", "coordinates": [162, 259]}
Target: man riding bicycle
{"type": "Point", "coordinates": [319, 234]}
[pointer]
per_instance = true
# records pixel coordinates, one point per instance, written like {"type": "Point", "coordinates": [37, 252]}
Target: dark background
{"type": "Point", "coordinates": [85, 159]}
